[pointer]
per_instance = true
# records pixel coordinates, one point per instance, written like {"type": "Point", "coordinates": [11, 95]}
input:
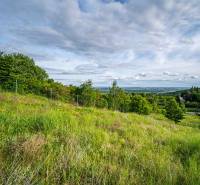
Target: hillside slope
{"type": "Point", "coordinates": [49, 142]}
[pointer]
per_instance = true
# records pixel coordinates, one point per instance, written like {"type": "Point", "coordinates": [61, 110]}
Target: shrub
{"type": "Point", "coordinates": [173, 110]}
{"type": "Point", "coordinates": [101, 103]}
{"type": "Point", "coordinates": [140, 105]}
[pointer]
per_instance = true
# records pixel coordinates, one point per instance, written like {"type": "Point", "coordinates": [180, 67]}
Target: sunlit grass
{"type": "Point", "coordinates": [49, 142]}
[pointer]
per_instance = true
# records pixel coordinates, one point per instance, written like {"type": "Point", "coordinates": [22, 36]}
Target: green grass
{"type": "Point", "coordinates": [49, 142]}
{"type": "Point", "coordinates": [191, 121]}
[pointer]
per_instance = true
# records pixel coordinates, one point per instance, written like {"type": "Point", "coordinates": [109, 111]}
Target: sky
{"type": "Point", "coordinates": [140, 43]}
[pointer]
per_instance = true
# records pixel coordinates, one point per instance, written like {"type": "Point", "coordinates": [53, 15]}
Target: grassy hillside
{"type": "Point", "coordinates": [49, 142]}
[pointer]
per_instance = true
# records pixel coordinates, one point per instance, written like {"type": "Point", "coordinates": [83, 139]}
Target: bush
{"type": "Point", "coordinates": [86, 94]}
{"type": "Point", "coordinates": [118, 99]}
{"type": "Point", "coordinates": [101, 103]}
{"type": "Point", "coordinates": [173, 110]}
{"type": "Point", "coordinates": [140, 105]}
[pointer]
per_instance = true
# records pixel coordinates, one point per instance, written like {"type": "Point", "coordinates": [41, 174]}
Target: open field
{"type": "Point", "coordinates": [50, 142]}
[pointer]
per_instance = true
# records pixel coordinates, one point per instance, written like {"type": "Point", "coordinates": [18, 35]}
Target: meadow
{"type": "Point", "coordinates": [50, 142]}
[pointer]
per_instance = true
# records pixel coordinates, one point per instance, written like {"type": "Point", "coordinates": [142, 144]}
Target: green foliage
{"type": "Point", "coordinates": [173, 110]}
{"type": "Point", "coordinates": [154, 101]}
{"type": "Point", "coordinates": [21, 68]}
{"type": "Point", "coordinates": [56, 90]}
{"type": "Point", "coordinates": [113, 96]}
{"type": "Point", "coordinates": [118, 99]}
{"type": "Point", "coordinates": [101, 100]}
{"type": "Point", "coordinates": [86, 94]}
{"type": "Point", "coordinates": [192, 98]}
{"type": "Point", "coordinates": [140, 105]}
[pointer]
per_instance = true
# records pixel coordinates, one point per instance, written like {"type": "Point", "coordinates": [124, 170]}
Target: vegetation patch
{"type": "Point", "coordinates": [64, 144]}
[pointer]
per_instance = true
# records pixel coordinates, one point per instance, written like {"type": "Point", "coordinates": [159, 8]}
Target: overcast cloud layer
{"type": "Point", "coordinates": [139, 43]}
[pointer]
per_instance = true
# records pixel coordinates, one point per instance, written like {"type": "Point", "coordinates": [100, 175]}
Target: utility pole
{"type": "Point", "coordinates": [51, 93]}
{"type": "Point", "coordinates": [77, 99]}
{"type": "Point", "coordinates": [16, 86]}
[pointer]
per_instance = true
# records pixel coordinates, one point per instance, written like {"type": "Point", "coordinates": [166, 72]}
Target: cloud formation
{"type": "Point", "coordinates": [139, 43]}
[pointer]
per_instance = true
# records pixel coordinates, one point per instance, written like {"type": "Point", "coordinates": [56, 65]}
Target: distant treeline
{"type": "Point", "coordinates": [155, 90]}
{"type": "Point", "coordinates": [190, 97]}
{"type": "Point", "coordinates": [19, 73]}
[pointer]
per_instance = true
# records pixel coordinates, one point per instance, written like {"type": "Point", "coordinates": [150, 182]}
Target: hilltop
{"type": "Point", "coordinates": [50, 142]}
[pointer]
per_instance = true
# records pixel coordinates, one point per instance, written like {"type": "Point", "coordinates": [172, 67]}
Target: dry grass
{"type": "Point", "coordinates": [33, 145]}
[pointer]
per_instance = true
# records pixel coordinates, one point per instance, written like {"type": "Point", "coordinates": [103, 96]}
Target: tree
{"type": "Point", "coordinates": [154, 101]}
{"type": "Point", "coordinates": [101, 101]}
{"type": "Point", "coordinates": [86, 94]}
{"type": "Point", "coordinates": [118, 99]}
{"type": "Point", "coordinates": [30, 77]}
{"type": "Point", "coordinates": [173, 110]}
{"type": "Point", "coordinates": [140, 105]}
{"type": "Point", "coordinates": [123, 101]}
{"type": "Point", "coordinates": [23, 69]}
{"type": "Point", "coordinates": [112, 96]}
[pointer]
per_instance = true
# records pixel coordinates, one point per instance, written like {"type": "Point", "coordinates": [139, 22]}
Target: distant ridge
{"type": "Point", "coordinates": [147, 89]}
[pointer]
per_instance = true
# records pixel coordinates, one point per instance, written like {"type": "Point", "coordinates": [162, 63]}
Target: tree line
{"type": "Point", "coordinates": [20, 70]}
{"type": "Point", "coordinates": [192, 98]}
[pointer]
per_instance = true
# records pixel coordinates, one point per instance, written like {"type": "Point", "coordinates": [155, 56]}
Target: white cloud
{"type": "Point", "coordinates": [104, 40]}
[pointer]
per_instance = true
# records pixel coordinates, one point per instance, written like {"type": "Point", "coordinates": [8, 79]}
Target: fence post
{"type": "Point", "coordinates": [77, 99]}
{"type": "Point", "coordinates": [51, 93]}
{"type": "Point", "coordinates": [16, 86]}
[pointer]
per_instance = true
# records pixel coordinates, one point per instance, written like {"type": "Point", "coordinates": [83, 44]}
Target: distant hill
{"type": "Point", "coordinates": [147, 89]}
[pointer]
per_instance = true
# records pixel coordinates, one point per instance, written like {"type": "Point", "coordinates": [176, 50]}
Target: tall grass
{"type": "Point", "coordinates": [49, 142]}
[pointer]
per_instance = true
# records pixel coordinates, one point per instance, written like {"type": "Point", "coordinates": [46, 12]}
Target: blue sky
{"type": "Point", "coordinates": [137, 43]}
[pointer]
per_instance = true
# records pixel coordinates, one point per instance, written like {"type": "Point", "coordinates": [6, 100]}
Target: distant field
{"type": "Point", "coordinates": [50, 142]}
{"type": "Point", "coordinates": [147, 89]}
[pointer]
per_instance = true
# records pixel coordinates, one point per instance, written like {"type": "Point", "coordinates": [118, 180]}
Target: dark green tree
{"type": "Point", "coordinates": [173, 110]}
{"type": "Point", "coordinates": [18, 67]}
{"type": "Point", "coordinates": [101, 100]}
{"type": "Point", "coordinates": [30, 78]}
{"type": "Point", "coordinates": [140, 105]}
{"type": "Point", "coordinates": [86, 94]}
{"type": "Point", "coordinates": [124, 101]}
{"type": "Point", "coordinates": [118, 99]}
